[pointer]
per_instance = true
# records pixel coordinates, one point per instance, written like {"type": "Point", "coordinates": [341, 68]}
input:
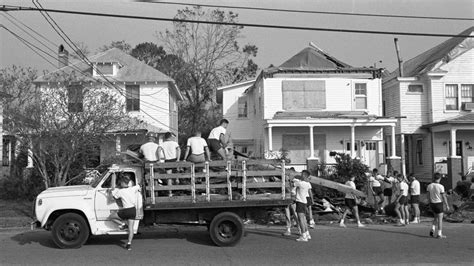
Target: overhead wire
{"type": "Point", "coordinates": [305, 11]}
{"type": "Point", "coordinates": [250, 25]}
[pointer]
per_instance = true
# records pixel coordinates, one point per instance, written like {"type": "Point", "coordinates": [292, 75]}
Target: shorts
{"type": "Point", "coordinates": [301, 207]}
{"type": "Point", "coordinates": [350, 203]}
{"type": "Point", "coordinates": [437, 207]}
{"type": "Point", "coordinates": [170, 161]}
{"type": "Point", "coordinates": [214, 145]}
{"type": "Point", "coordinates": [403, 200]}
{"type": "Point", "coordinates": [309, 201]}
{"type": "Point", "coordinates": [387, 192]}
{"type": "Point", "coordinates": [127, 213]}
{"type": "Point", "coordinates": [196, 158]}
{"type": "Point", "coordinates": [377, 190]}
{"type": "Point", "coordinates": [415, 199]}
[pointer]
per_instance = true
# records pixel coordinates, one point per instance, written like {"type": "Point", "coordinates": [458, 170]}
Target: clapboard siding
{"type": "Point", "coordinates": [240, 128]}
{"type": "Point", "coordinates": [154, 105]}
{"type": "Point", "coordinates": [414, 106]}
{"type": "Point", "coordinates": [339, 94]}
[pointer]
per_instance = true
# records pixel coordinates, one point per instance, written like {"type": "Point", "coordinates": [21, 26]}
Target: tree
{"type": "Point", "coordinates": [208, 56]}
{"type": "Point", "coordinates": [63, 121]}
{"type": "Point", "coordinates": [122, 45]}
{"type": "Point", "coordinates": [149, 53]}
{"type": "Point", "coordinates": [83, 48]}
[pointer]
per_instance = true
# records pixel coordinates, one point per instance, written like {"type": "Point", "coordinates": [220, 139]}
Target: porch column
{"type": "Point", "coordinates": [452, 152]}
{"type": "Point", "coordinates": [270, 139]}
{"type": "Point", "coordinates": [402, 151]}
{"type": "Point", "coordinates": [311, 142]}
{"type": "Point", "coordinates": [394, 154]}
{"type": "Point", "coordinates": [353, 141]}
{"type": "Point", "coordinates": [118, 145]}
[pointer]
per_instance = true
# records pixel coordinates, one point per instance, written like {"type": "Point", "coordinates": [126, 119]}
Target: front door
{"type": "Point", "coordinates": [369, 153]}
{"type": "Point", "coordinates": [105, 204]}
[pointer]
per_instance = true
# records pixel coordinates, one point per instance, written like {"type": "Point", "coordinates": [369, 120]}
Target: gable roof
{"type": "Point", "coordinates": [314, 60]}
{"type": "Point", "coordinates": [444, 52]}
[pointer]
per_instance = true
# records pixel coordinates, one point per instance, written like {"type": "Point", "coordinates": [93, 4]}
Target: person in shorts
{"type": "Point", "coordinates": [401, 207]}
{"type": "Point", "coordinates": [196, 148]}
{"type": "Point", "coordinates": [302, 188]}
{"type": "Point", "coordinates": [389, 183]}
{"type": "Point", "coordinates": [128, 195]}
{"type": "Point", "coordinates": [376, 189]}
{"type": "Point", "coordinates": [216, 139]}
{"type": "Point", "coordinates": [351, 204]}
{"type": "Point", "coordinates": [436, 198]}
{"type": "Point", "coordinates": [415, 197]}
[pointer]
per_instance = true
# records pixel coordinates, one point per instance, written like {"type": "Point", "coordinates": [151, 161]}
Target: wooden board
{"type": "Point", "coordinates": [335, 185]}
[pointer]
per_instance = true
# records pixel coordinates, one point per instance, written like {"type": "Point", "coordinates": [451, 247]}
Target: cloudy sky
{"type": "Point", "coordinates": [275, 45]}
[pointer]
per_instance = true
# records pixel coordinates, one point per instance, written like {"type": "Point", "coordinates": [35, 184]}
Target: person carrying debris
{"type": "Point", "coordinates": [436, 198]}
{"type": "Point", "coordinates": [302, 188]}
{"type": "Point", "coordinates": [351, 203]}
{"type": "Point", "coordinates": [376, 189]}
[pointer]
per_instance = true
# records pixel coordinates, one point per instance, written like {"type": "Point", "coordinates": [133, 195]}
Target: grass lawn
{"type": "Point", "coordinates": [15, 213]}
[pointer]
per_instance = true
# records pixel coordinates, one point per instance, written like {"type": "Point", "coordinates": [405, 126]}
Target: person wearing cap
{"type": "Point", "coordinates": [350, 201]}
{"type": "Point", "coordinates": [436, 198]}
{"type": "Point", "coordinates": [217, 140]}
{"type": "Point", "coordinates": [149, 150]}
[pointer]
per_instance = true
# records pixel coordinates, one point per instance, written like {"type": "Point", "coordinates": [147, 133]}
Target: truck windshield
{"type": "Point", "coordinates": [97, 180]}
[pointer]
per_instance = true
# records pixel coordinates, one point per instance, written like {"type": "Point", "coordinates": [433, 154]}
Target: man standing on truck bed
{"type": "Point", "coordinates": [216, 139]}
{"type": "Point", "coordinates": [150, 150]}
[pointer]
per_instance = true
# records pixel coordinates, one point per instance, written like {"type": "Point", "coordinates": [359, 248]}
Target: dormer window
{"type": "Point", "coordinates": [105, 68]}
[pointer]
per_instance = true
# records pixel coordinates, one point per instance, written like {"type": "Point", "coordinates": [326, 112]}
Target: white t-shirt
{"type": "Point", "coordinates": [404, 188]}
{"type": "Point", "coordinates": [216, 132]}
{"type": "Point", "coordinates": [375, 180]}
{"type": "Point", "coordinates": [149, 151]}
{"type": "Point", "coordinates": [197, 145]}
{"type": "Point", "coordinates": [391, 181]}
{"type": "Point", "coordinates": [302, 188]}
{"type": "Point", "coordinates": [127, 195]}
{"type": "Point", "coordinates": [169, 149]}
{"type": "Point", "coordinates": [415, 188]}
{"type": "Point", "coordinates": [351, 184]}
{"type": "Point", "coordinates": [435, 190]}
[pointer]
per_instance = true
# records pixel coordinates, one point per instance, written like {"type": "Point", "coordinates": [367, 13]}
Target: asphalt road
{"type": "Point", "coordinates": [175, 245]}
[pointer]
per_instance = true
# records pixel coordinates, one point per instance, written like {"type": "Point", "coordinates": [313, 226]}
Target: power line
{"type": "Point", "coordinates": [37, 33]}
{"type": "Point", "coordinates": [251, 25]}
{"type": "Point", "coordinates": [307, 11]}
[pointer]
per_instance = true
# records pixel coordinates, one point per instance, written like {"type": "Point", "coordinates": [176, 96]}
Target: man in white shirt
{"type": "Point", "coordinates": [401, 207]}
{"type": "Point", "coordinates": [376, 188]}
{"type": "Point", "coordinates": [436, 197]}
{"type": "Point", "coordinates": [197, 146]}
{"type": "Point", "coordinates": [150, 150]}
{"type": "Point", "coordinates": [351, 204]}
{"type": "Point", "coordinates": [217, 142]}
{"type": "Point", "coordinates": [302, 192]}
{"type": "Point", "coordinates": [415, 197]}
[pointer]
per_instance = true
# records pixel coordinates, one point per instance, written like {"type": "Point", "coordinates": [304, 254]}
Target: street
{"type": "Point", "coordinates": [179, 245]}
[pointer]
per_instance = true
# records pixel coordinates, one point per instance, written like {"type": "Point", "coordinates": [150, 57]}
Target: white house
{"type": "Point", "coordinates": [435, 95]}
{"type": "Point", "coordinates": [308, 106]}
{"type": "Point", "coordinates": [149, 95]}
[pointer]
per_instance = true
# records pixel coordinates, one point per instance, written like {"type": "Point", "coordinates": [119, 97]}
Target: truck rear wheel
{"type": "Point", "coordinates": [226, 229]}
{"type": "Point", "coordinates": [70, 230]}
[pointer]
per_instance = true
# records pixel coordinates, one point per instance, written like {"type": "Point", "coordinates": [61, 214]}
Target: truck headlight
{"type": "Point", "coordinates": [40, 202]}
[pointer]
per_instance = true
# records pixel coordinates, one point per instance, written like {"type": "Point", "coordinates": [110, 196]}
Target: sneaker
{"type": "Point", "coordinates": [360, 225]}
{"type": "Point", "coordinates": [311, 224]}
{"type": "Point", "coordinates": [308, 236]}
{"type": "Point", "coordinates": [415, 221]}
{"type": "Point", "coordinates": [287, 233]}
{"type": "Point", "coordinates": [302, 239]}
{"type": "Point", "coordinates": [400, 224]}
{"type": "Point", "coordinates": [342, 225]}
{"type": "Point", "coordinates": [440, 236]}
{"type": "Point", "coordinates": [432, 233]}
{"type": "Point", "coordinates": [128, 246]}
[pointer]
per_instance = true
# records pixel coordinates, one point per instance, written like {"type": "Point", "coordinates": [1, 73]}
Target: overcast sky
{"type": "Point", "coordinates": [275, 45]}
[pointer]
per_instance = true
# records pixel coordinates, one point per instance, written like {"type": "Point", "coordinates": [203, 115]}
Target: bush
{"type": "Point", "coordinates": [20, 188]}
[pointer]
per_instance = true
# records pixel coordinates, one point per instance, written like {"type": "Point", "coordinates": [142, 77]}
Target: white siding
{"type": "Point", "coordinates": [154, 105]}
{"type": "Point", "coordinates": [414, 106]}
{"type": "Point", "coordinates": [239, 128]}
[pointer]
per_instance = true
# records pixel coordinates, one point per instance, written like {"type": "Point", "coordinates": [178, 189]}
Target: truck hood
{"type": "Point", "coordinates": [65, 191]}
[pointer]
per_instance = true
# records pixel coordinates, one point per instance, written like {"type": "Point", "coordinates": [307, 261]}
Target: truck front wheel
{"type": "Point", "coordinates": [70, 230]}
{"type": "Point", "coordinates": [226, 229]}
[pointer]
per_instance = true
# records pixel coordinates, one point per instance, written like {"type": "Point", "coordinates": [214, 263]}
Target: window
{"type": "Point", "coordinates": [360, 96]}
{"type": "Point", "coordinates": [133, 97]}
{"type": "Point", "coordinates": [304, 94]}
{"type": "Point", "coordinates": [419, 151]}
{"type": "Point", "coordinates": [467, 93]}
{"type": "Point", "coordinates": [416, 88]}
{"type": "Point", "coordinates": [106, 69]}
{"type": "Point", "coordinates": [348, 146]}
{"type": "Point", "coordinates": [451, 97]}
{"type": "Point", "coordinates": [243, 107]}
{"type": "Point", "coordinates": [75, 98]}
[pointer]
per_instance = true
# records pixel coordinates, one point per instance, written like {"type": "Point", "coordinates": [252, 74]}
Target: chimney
{"type": "Point", "coordinates": [63, 56]}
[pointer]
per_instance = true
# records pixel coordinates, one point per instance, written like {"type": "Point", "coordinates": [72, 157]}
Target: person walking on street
{"type": "Point", "coordinates": [401, 207]}
{"type": "Point", "coordinates": [436, 198]}
{"type": "Point", "coordinates": [415, 198]}
{"type": "Point", "coordinates": [302, 188]}
{"type": "Point", "coordinates": [376, 189]}
{"type": "Point", "coordinates": [217, 141]}
{"type": "Point", "coordinates": [290, 210]}
{"type": "Point", "coordinates": [351, 203]}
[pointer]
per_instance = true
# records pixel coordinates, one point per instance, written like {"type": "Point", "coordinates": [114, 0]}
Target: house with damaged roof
{"type": "Point", "coordinates": [434, 93]}
{"type": "Point", "coordinates": [308, 106]}
{"type": "Point", "coordinates": [149, 96]}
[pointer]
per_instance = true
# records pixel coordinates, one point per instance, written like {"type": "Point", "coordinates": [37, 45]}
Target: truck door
{"type": "Point", "coordinates": [105, 204]}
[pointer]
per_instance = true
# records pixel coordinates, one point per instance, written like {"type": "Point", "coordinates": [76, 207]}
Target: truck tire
{"type": "Point", "coordinates": [226, 229]}
{"type": "Point", "coordinates": [70, 230]}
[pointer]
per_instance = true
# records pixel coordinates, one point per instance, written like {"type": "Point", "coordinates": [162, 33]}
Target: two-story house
{"type": "Point", "coordinates": [308, 106]}
{"type": "Point", "coordinates": [149, 96]}
{"type": "Point", "coordinates": [435, 98]}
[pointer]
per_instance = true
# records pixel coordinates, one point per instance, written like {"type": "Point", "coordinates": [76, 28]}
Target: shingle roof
{"type": "Point", "coordinates": [445, 51]}
{"type": "Point", "coordinates": [462, 119]}
{"type": "Point", "coordinates": [132, 70]}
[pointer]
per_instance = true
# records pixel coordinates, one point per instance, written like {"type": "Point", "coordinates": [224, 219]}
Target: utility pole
{"type": "Point", "coordinates": [399, 57]}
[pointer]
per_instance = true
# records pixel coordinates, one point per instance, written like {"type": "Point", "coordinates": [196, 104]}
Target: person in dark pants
{"type": "Point", "coordinates": [217, 141]}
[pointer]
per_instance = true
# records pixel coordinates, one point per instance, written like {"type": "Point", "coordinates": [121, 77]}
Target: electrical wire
{"type": "Point", "coordinates": [250, 25]}
{"type": "Point", "coordinates": [306, 11]}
